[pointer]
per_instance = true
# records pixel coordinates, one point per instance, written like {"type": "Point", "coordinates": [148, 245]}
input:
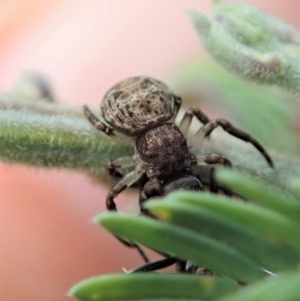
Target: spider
{"type": "Point", "coordinates": [144, 109]}
{"type": "Point", "coordinates": [139, 103]}
{"type": "Point", "coordinates": [162, 154]}
{"type": "Point", "coordinates": [163, 162]}
{"type": "Point", "coordinates": [182, 182]}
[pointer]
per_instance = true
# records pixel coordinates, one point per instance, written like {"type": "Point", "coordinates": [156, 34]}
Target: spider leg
{"type": "Point", "coordinates": [150, 189]}
{"type": "Point", "coordinates": [229, 128]}
{"type": "Point", "coordinates": [131, 244]}
{"type": "Point", "coordinates": [214, 159]}
{"type": "Point", "coordinates": [217, 159]}
{"type": "Point", "coordinates": [195, 111]}
{"type": "Point", "coordinates": [206, 130]}
{"type": "Point", "coordinates": [127, 181]}
{"type": "Point", "coordinates": [191, 268]}
{"type": "Point", "coordinates": [155, 265]}
{"type": "Point", "coordinates": [96, 122]}
{"type": "Point", "coordinates": [185, 122]}
{"type": "Point", "coordinates": [210, 125]}
{"type": "Point", "coordinates": [213, 184]}
{"type": "Point", "coordinates": [182, 266]}
{"type": "Point", "coordinates": [123, 162]}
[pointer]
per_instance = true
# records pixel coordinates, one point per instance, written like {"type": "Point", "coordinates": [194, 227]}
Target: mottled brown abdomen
{"type": "Point", "coordinates": [137, 103]}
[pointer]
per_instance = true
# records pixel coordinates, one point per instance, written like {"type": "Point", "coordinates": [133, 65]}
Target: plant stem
{"type": "Point", "coordinates": [55, 136]}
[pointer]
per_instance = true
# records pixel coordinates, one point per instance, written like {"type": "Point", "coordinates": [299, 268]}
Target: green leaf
{"type": "Point", "coordinates": [152, 286]}
{"type": "Point", "coordinates": [209, 223]}
{"type": "Point", "coordinates": [252, 44]}
{"type": "Point", "coordinates": [260, 193]}
{"type": "Point", "coordinates": [182, 243]}
{"type": "Point", "coordinates": [200, 81]}
{"type": "Point", "coordinates": [282, 287]}
{"type": "Point", "coordinates": [275, 226]}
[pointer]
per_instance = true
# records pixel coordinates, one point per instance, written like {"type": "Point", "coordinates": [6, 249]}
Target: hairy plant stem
{"type": "Point", "coordinates": [51, 135]}
{"type": "Point", "coordinates": [252, 43]}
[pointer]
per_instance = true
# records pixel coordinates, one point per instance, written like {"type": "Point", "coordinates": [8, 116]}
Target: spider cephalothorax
{"type": "Point", "coordinates": [164, 151]}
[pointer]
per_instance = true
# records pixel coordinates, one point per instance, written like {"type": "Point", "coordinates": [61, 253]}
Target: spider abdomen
{"type": "Point", "coordinates": [137, 103]}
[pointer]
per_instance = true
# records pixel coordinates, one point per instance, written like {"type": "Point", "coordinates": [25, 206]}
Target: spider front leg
{"type": "Point", "coordinates": [186, 120]}
{"type": "Point", "coordinates": [127, 181]}
{"type": "Point", "coordinates": [150, 189]}
{"type": "Point", "coordinates": [210, 125]}
{"type": "Point", "coordinates": [96, 122]}
{"type": "Point", "coordinates": [217, 159]}
{"type": "Point", "coordinates": [155, 265]}
{"type": "Point", "coordinates": [113, 167]}
{"type": "Point", "coordinates": [229, 128]}
{"type": "Point", "coordinates": [214, 159]}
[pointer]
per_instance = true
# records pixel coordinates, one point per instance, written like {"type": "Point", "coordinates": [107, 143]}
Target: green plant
{"type": "Point", "coordinates": [242, 241]}
{"type": "Point", "coordinates": [255, 45]}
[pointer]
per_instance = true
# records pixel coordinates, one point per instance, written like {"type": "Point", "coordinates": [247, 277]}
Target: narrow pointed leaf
{"type": "Point", "coordinates": [284, 287]}
{"type": "Point", "coordinates": [182, 243]}
{"type": "Point", "coordinates": [260, 194]}
{"type": "Point", "coordinates": [275, 226]}
{"type": "Point", "coordinates": [152, 286]}
{"type": "Point", "coordinates": [209, 223]}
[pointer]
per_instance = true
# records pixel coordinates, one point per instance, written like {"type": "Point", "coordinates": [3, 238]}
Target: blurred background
{"type": "Point", "coordinates": [47, 239]}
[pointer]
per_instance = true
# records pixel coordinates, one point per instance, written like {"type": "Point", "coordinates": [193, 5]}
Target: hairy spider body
{"type": "Point", "coordinates": [163, 156]}
{"type": "Point", "coordinates": [139, 103]}
{"type": "Point", "coordinates": [164, 161]}
{"type": "Point", "coordinates": [164, 151]}
{"type": "Point", "coordinates": [144, 110]}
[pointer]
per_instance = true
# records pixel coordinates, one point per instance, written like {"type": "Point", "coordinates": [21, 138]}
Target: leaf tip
{"type": "Point", "coordinates": [200, 21]}
{"type": "Point", "coordinates": [79, 291]}
{"type": "Point", "coordinates": [159, 211]}
{"type": "Point", "coordinates": [103, 218]}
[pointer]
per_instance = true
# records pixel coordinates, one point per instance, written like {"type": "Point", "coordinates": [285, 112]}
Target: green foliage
{"type": "Point", "coordinates": [47, 134]}
{"type": "Point", "coordinates": [252, 43]}
{"type": "Point", "coordinates": [154, 286]}
{"type": "Point", "coordinates": [243, 241]}
{"type": "Point", "coordinates": [283, 287]}
{"type": "Point", "coordinates": [265, 112]}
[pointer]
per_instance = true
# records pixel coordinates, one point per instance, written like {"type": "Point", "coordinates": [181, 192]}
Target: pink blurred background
{"type": "Point", "coordinates": [47, 239]}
